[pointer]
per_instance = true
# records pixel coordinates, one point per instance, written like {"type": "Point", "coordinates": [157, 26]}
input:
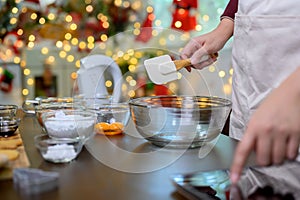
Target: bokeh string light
{"type": "Point", "coordinates": [74, 43]}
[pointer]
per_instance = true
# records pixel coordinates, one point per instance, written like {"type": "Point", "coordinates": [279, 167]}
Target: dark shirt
{"type": "Point", "coordinates": [230, 10]}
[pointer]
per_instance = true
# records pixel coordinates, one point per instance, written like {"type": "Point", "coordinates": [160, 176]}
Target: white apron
{"type": "Point", "coordinates": [266, 50]}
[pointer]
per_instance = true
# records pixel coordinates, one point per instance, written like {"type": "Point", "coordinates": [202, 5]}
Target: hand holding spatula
{"type": "Point", "coordinates": [162, 69]}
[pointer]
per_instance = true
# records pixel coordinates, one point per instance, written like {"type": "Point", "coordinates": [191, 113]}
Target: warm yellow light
{"type": "Point", "coordinates": [51, 16]}
{"type": "Point", "coordinates": [33, 16]}
{"type": "Point", "coordinates": [103, 18]}
{"type": "Point", "coordinates": [20, 32]}
{"type": "Point", "coordinates": [136, 25]}
{"type": "Point", "coordinates": [25, 92]}
{"type": "Point", "coordinates": [77, 63]}
{"type": "Point", "coordinates": [68, 36]}
{"type": "Point", "coordinates": [68, 18]}
{"type": "Point", "coordinates": [102, 45]}
{"type": "Point", "coordinates": [23, 63]}
{"type": "Point", "coordinates": [230, 80]}
{"type": "Point", "coordinates": [198, 27]}
{"type": "Point", "coordinates": [133, 61]}
{"type": "Point", "coordinates": [136, 5]}
{"type": "Point", "coordinates": [124, 87]}
{"type": "Point", "coordinates": [120, 53]}
{"type": "Point", "coordinates": [136, 31]}
{"type": "Point", "coordinates": [211, 68]}
{"type": "Point", "coordinates": [44, 50]}
{"type": "Point", "coordinates": [14, 10]}
{"type": "Point", "coordinates": [178, 24]}
{"type": "Point", "coordinates": [51, 59]}
{"type": "Point", "coordinates": [231, 71]}
{"type": "Point", "coordinates": [91, 45]}
{"type": "Point", "coordinates": [62, 54]}
{"type": "Point", "coordinates": [222, 73]}
{"type": "Point", "coordinates": [128, 78]}
{"type": "Point", "coordinates": [149, 9]}
{"type": "Point", "coordinates": [30, 81]}
{"type": "Point", "coordinates": [126, 57]}
{"type": "Point", "coordinates": [132, 68]}
{"type": "Point", "coordinates": [108, 83]}
{"type": "Point", "coordinates": [132, 83]}
{"type": "Point", "coordinates": [42, 20]}
{"type": "Point", "coordinates": [131, 93]}
{"type": "Point", "coordinates": [227, 89]}
{"type": "Point", "coordinates": [105, 25]}
{"type": "Point", "coordinates": [26, 72]}
{"type": "Point", "coordinates": [88, 1]}
{"type": "Point", "coordinates": [205, 18]}
{"type": "Point", "coordinates": [67, 47]}
{"type": "Point", "coordinates": [154, 33]}
{"type": "Point", "coordinates": [59, 44]}
{"type": "Point", "coordinates": [126, 4]}
{"type": "Point", "coordinates": [73, 26]}
{"type": "Point", "coordinates": [13, 20]}
{"type": "Point", "coordinates": [130, 52]}
{"type": "Point", "coordinates": [157, 22]}
{"type": "Point", "coordinates": [103, 37]}
{"type": "Point", "coordinates": [89, 8]}
{"type": "Point", "coordinates": [179, 75]}
{"type": "Point", "coordinates": [118, 3]}
{"type": "Point", "coordinates": [31, 38]}
{"type": "Point", "coordinates": [138, 54]}
{"type": "Point", "coordinates": [70, 58]}
{"type": "Point", "coordinates": [185, 37]}
{"type": "Point", "coordinates": [162, 41]}
{"type": "Point", "coordinates": [1, 70]}
{"type": "Point", "coordinates": [82, 45]}
{"type": "Point", "coordinates": [90, 39]}
{"type": "Point", "coordinates": [74, 41]}
{"type": "Point", "coordinates": [17, 59]}
{"type": "Point", "coordinates": [30, 45]}
{"type": "Point", "coordinates": [73, 75]}
{"type": "Point", "coordinates": [108, 53]}
{"type": "Point", "coordinates": [173, 86]}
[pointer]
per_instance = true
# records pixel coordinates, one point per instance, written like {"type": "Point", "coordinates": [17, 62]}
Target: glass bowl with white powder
{"type": "Point", "coordinates": [69, 123]}
{"type": "Point", "coordinates": [58, 150]}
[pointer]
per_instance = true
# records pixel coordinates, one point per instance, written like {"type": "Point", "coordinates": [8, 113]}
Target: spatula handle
{"type": "Point", "coordinates": [182, 63]}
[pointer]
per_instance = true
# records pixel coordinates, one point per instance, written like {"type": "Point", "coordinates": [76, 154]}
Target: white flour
{"type": "Point", "coordinates": [60, 152]}
{"type": "Point", "coordinates": [69, 126]}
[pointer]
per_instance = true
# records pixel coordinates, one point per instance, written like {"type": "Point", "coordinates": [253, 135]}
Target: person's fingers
{"type": "Point", "coordinates": [199, 55]}
{"type": "Point", "coordinates": [241, 154]}
{"type": "Point", "coordinates": [189, 49]}
{"type": "Point", "coordinates": [188, 68]}
{"type": "Point", "coordinates": [263, 150]}
{"type": "Point", "coordinates": [293, 147]}
{"type": "Point", "coordinates": [279, 149]}
{"type": "Point", "coordinates": [205, 63]}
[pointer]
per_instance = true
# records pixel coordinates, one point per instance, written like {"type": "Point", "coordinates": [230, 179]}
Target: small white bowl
{"type": "Point", "coordinates": [58, 150]}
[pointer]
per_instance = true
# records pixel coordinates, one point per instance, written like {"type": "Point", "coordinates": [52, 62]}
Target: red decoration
{"type": "Point", "coordinates": [182, 14]}
{"type": "Point", "coordinates": [146, 30]}
{"type": "Point", "coordinates": [6, 81]}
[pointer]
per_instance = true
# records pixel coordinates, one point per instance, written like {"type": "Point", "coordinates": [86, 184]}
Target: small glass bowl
{"type": "Point", "coordinates": [8, 126]}
{"type": "Point", "coordinates": [9, 110]}
{"type": "Point", "coordinates": [112, 118]}
{"type": "Point", "coordinates": [58, 150]}
{"type": "Point", "coordinates": [69, 123]}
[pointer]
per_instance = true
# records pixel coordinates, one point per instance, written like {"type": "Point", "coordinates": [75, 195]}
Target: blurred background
{"type": "Point", "coordinates": [42, 42]}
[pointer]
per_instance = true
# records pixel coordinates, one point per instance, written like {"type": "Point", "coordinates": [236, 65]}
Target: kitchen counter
{"type": "Point", "coordinates": [102, 172]}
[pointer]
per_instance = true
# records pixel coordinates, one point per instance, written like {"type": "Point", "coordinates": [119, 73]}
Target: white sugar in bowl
{"type": "Point", "coordinates": [69, 123]}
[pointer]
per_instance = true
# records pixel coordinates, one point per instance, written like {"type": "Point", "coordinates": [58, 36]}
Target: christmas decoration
{"type": "Point", "coordinates": [184, 14]}
{"type": "Point", "coordinates": [6, 81]}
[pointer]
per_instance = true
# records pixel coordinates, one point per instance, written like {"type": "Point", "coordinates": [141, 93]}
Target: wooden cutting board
{"type": "Point", "coordinates": [14, 144]}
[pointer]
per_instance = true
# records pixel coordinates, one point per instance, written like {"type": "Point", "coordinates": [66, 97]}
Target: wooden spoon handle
{"type": "Point", "coordinates": [187, 62]}
{"type": "Point", "coordinates": [182, 63]}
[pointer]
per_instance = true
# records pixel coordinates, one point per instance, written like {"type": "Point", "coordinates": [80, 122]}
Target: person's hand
{"type": "Point", "coordinates": [207, 44]}
{"type": "Point", "coordinates": [273, 131]}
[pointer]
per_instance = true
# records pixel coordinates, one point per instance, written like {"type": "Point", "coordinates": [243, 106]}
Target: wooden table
{"type": "Point", "coordinates": [88, 178]}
